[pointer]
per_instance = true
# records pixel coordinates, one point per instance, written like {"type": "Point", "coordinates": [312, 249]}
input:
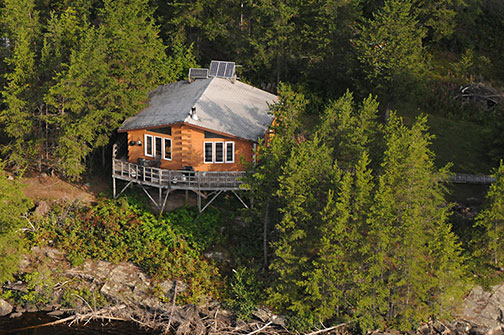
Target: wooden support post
{"type": "Point", "coordinates": [199, 201]}
{"type": "Point", "coordinates": [124, 189]}
{"type": "Point", "coordinates": [164, 202]}
{"type": "Point", "coordinates": [265, 234]}
{"type": "Point", "coordinates": [243, 202]}
{"type": "Point", "coordinates": [160, 196]}
{"type": "Point", "coordinates": [211, 200]}
{"type": "Point", "coordinates": [114, 186]}
{"type": "Point", "coordinates": [186, 197]}
{"type": "Point", "coordinates": [150, 197]}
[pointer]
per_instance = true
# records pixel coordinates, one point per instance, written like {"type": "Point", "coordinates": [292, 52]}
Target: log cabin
{"type": "Point", "coordinates": [194, 135]}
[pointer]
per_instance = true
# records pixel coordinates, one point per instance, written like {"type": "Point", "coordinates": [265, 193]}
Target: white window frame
{"type": "Point", "coordinates": [153, 144]}
{"type": "Point", "coordinates": [226, 160]}
{"type": "Point", "coordinates": [215, 152]}
{"type": "Point", "coordinates": [164, 139]}
{"type": "Point", "coordinates": [155, 147]}
{"type": "Point", "coordinates": [204, 152]}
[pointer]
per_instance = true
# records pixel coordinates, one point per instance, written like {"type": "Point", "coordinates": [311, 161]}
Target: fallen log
{"type": "Point", "coordinates": [101, 314]}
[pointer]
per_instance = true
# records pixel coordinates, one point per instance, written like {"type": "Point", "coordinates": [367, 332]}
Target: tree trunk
{"type": "Point", "coordinates": [265, 233]}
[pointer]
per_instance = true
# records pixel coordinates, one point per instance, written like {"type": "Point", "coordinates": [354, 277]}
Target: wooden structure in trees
{"type": "Point", "coordinates": [194, 136]}
{"type": "Point", "coordinates": [465, 178]}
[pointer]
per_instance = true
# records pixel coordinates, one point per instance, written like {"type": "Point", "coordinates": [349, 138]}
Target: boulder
{"type": "Point", "coordinates": [484, 308]}
{"type": "Point", "coordinates": [30, 308]}
{"type": "Point", "coordinates": [15, 315]}
{"type": "Point", "coordinates": [41, 210]}
{"type": "Point", "coordinates": [168, 287]}
{"type": "Point", "coordinates": [5, 308]}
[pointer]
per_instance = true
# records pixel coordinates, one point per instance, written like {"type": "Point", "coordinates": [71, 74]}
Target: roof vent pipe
{"type": "Point", "coordinates": [193, 114]}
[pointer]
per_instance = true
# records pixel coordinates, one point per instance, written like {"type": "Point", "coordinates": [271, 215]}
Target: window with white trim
{"type": "Point", "coordinates": [208, 152]}
{"type": "Point", "coordinates": [218, 152]}
{"type": "Point", "coordinates": [148, 141]}
{"type": "Point", "coordinates": [229, 152]}
{"type": "Point", "coordinates": [167, 149]}
{"type": "Point", "coordinates": [158, 148]}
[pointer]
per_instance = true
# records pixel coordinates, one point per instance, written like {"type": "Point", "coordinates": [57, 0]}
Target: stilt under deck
{"type": "Point", "coordinates": [207, 185]}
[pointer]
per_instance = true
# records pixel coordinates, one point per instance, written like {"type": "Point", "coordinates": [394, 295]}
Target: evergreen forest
{"type": "Point", "coordinates": [380, 103]}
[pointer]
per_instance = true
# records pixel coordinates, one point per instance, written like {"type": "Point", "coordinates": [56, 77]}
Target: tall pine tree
{"type": "Point", "coordinates": [390, 50]}
{"type": "Point", "coordinates": [303, 189]}
{"type": "Point", "coordinates": [492, 220]}
{"type": "Point", "coordinates": [108, 79]}
{"type": "Point", "coordinates": [19, 116]}
{"type": "Point", "coordinates": [415, 256]}
{"type": "Point", "coordinates": [272, 155]}
{"type": "Point", "coordinates": [350, 130]}
{"type": "Point", "coordinates": [333, 287]}
{"type": "Point", "coordinates": [13, 206]}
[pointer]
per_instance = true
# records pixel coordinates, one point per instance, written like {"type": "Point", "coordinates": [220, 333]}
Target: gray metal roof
{"type": "Point", "coordinates": [236, 108]}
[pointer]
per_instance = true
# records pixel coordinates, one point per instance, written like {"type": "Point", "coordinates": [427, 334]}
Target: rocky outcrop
{"type": "Point", "coordinates": [5, 308]}
{"type": "Point", "coordinates": [119, 283]}
{"type": "Point", "coordinates": [484, 308]}
{"type": "Point", "coordinates": [126, 285]}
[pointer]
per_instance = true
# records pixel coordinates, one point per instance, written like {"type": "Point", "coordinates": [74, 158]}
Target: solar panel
{"type": "Point", "coordinates": [214, 65]}
{"type": "Point", "coordinates": [198, 73]}
{"type": "Point", "coordinates": [230, 70]}
{"type": "Point", "coordinates": [222, 69]}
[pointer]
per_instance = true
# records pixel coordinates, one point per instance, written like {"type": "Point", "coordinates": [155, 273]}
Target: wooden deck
{"type": "Point", "coordinates": [177, 179]}
{"type": "Point", "coordinates": [464, 178]}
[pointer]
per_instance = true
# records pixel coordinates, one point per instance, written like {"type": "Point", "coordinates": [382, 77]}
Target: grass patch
{"type": "Point", "coordinates": [460, 142]}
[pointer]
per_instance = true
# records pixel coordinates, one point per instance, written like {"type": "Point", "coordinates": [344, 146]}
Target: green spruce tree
{"type": "Point", "coordinates": [108, 79]}
{"type": "Point", "coordinates": [303, 188]}
{"type": "Point", "coordinates": [390, 50]}
{"type": "Point", "coordinates": [350, 130]}
{"type": "Point", "coordinates": [333, 287]}
{"type": "Point", "coordinates": [492, 220]}
{"type": "Point", "coordinates": [13, 206]}
{"type": "Point", "coordinates": [272, 154]}
{"type": "Point", "coordinates": [19, 114]}
{"type": "Point", "coordinates": [412, 241]}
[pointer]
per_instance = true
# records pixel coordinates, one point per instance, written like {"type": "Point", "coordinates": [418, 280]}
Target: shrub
{"type": "Point", "coordinates": [165, 248]}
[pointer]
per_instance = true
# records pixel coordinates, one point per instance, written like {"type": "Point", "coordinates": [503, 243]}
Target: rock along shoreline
{"type": "Point", "coordinates": [127, 294]}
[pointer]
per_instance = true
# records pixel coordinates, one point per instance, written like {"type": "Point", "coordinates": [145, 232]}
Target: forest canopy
{"type": "Point", "coordinates": [74, 70]}
{"type": "Point", "coordinates": [350, 197]}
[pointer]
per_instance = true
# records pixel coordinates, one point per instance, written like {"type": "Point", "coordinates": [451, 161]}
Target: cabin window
{"type": "Point", "coordinates": [229, 152]}
{"type": "Point", "coordinates": [219, 152]}
{"type": "Point", "coordinates": [214, 135]}
{"type": "Point", "coordinates": [148, 145]}
{"type": "Point", "coordinates": [208, 152]}
{"type": "Point", "coordinates": [164, 130]}
{"type": "Point", "coordinates": [158, 147]}
{"type": "Point", "coordinates": [167, 149]}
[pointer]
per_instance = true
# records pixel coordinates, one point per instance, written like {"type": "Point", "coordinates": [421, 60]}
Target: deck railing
{"type": "Point", "coordinates": [177, 179]}
{"type": "Point", "coordinates": [464, 178]}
